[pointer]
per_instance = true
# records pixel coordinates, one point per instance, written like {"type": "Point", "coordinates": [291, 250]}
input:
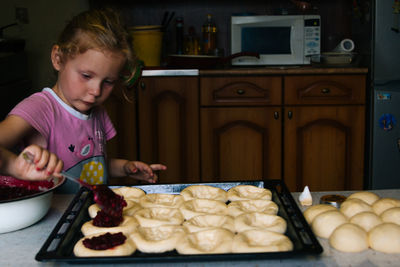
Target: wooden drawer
{"type": "Point", "coordinates": [324, 89]}
{"type": "Point", "coordinates": [240, 91]}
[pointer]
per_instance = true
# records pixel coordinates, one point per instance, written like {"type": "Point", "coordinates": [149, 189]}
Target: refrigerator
{"type": "Point", "coordinates": [385, 78]}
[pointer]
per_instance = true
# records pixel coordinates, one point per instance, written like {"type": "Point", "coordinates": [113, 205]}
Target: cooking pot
{"type": "Point", "coordinates": [21, 212]}
{"type": "Point", "coordinates": [204, 61]}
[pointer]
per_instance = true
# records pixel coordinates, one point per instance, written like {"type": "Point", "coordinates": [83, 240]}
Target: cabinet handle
{"type": "Point", "coordinates": [276, 115]}
{"type": "Point", "coordinates": [143, 85]}
{"type": "Point", "coordinates": [290, 115]}
{"type": "Point", "coordinates": [325, 90]}
{"type": "Point", "coordinates": [240, 92]}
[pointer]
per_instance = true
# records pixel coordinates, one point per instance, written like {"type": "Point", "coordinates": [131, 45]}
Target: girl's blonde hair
{"type": "Point", "coordinates": [101, 29]}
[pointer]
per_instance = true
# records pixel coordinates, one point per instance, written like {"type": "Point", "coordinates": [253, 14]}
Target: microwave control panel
{"type": "Point", "coordinates": [312, 36]}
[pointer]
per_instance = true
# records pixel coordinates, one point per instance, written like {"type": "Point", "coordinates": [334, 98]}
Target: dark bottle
{"type": "Point", "coordinates": [179, 35]}
{"type": "Point", "coordinates": [209, 30]}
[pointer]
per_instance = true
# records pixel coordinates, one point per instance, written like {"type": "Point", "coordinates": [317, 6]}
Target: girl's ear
{"type": "Point", "coordinates": [56, 57]}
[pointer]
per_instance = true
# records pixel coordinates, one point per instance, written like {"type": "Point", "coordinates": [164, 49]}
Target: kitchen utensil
{"type": "Point", "coordinates": [334, 200]}
{"type": "Point", "coordinates": [333, 58]}
{"type": "Point", "coordinates": [108, 201]}
{"type": "Point", "coordinates": [204, 61]}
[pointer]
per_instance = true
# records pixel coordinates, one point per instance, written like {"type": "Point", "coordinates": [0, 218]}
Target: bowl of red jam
{"type": "Point", "coordinates": [23, 203]}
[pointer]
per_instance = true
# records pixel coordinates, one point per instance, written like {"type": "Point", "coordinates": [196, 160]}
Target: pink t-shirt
{"type": "Point", "coordinates": [78, 139]}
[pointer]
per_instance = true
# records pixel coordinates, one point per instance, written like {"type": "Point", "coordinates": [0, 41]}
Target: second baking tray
{"type": "Point", "coordinates": [59, 245]}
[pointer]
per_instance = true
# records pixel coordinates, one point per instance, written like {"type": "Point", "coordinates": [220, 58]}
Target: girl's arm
{"type": "Point", "coordinates": [13, 129]}
{"type": "Point", "coordinates": [136, 169]}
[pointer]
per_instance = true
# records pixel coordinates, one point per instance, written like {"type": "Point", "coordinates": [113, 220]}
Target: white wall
{"type": "Point", "coordinates": [46, 20]}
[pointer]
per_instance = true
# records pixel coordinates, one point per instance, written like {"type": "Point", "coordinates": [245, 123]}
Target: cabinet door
{"type": "Point", "coordinates": [120, 107]}
{"type": "Point", "coordinates": [240, 143]}
{"type": "Point", "coordinates": [324, 147]}
{"type": "Point", "coordinates": [169, 126]}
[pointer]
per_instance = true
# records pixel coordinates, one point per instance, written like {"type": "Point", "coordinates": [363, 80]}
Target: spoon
{"type": "Point", "coordinates": [107, 200]}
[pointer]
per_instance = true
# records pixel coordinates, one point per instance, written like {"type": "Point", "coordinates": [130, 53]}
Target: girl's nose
{"type": "Point", "coordinates": [95, 89]}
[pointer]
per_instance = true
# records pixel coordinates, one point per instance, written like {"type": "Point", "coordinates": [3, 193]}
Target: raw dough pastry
{"type": "Point", "coordinates": [367, 197]}
{"type": "Point", "coordinates": [209, 221]}
{"type": "Point", "coordinates": [391, 215]}
{"type": "Point", "coordinates": [246, 192]}
{"type": "Point", "coordinates": [353, 206]}
{"type": "Point", "coordinates": [195, 207]}
{"type": "Point", "coordinates": [349, 237]}
{"type": "Point", "coordinates": [385, 238]}
{"type": "Point", "coordinates": [129, 210]}
{"type": "Point", "coordinates": [131, 193]}
{"type": "Point", "coordinates": [384, 204]}
{"type": "Point", "coordinates": [161, 200]}
{"type": "Point", "coordinates": [314, 211]}
{"type": "Point", "coordinates": [257, 220]}
{"type": "Point", "coordinates": [239, 207]}
{"type": "Point", "coordinates": [127, 226]}
{"type": "Point", "coordinates": [204, 191]}
{"type": "Point", "coordinates": [325, 223]}
{"type": "Point", "coordinates": [153, 217]}
{"type": "Point", "coordinates": [366, 220]}
{"type": "Point", "coordinates": [157, 239]}
{"type": "Point", "coordinates": [260, 240]}
{"type": "Point", "coordinates": [211, 241]}
{"type": "Point", "coordinates": [125, 249]}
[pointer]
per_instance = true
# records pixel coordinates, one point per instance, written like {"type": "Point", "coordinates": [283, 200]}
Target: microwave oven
{"type": "Point", "coordinates": [280, 40]}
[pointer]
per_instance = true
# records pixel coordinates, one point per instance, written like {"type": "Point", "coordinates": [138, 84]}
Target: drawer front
{"type": "Point", "coordinates": [325, 89]}
{"type": "Point", "coordinates": [240, 91]}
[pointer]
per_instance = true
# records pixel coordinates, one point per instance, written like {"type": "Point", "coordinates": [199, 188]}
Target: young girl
{"type": "Point", "coordinates": [67, 119]}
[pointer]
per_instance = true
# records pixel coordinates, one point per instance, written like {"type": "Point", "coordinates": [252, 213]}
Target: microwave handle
{"type": "Point", "coordinates": [241, 54]}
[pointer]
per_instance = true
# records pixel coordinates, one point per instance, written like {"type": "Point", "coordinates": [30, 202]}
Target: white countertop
{"type": "Point", "coordinates": [19, 248]}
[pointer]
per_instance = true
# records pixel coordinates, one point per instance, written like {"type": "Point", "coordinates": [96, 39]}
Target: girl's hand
{"type": "Point", "coordinates": [143, 172]}
{"type": "Point", "coordinates": [43, 166]}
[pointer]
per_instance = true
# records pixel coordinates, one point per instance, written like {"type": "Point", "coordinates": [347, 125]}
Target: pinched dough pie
{"type": "Point", "coordinates": [391, 215]}
{"type": "Point", "coordinates": [161, 200]}
{"type": "Point", "coordinates": [353, 206]}
{"type": "Point", "coordinates": [246, 192]}
{"type": "Point", "coordinates": [129, 210]}
{"type": "Point", "coordinates": [325, 223]}
{"type": "Point", "coordinates": [127, 226]}
{"type": "Point", "coordinates": [209, 221]}
{"type": "Point", "coordinates": [157, 239]}
{"type": "Point", "coordinates": [313, 211]}
{"type": "Point", "coordinates": [204, 191]}
{"type": "Point", "coordinates": [195, 207]}
{"type": "Point", "coordinates": [366, 220]}
{"type": "Point", "coordinates": [131, 193]}
{"type": "Point", "coordinates": [385, 238]}
{"type": "Point", "coordinates": [211, 241]}
{"type": "Point", "coordinates": [239, 207]}
{"type": "Point", "coordinates": [384, 204]}
{"type": "Point", "coordinates": [349, 237]}
{"type": "Point", "coordinates": [257, 220]}
{"type": "Point", "coordinates": [260, 240]}
{"type": "Point", "coordinates": [153, 217]}
{"type": "Point", "coordinates": [368, 197]}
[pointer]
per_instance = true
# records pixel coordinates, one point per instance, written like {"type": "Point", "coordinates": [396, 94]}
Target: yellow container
{"type": "Point", "coordinates": [147, 43]}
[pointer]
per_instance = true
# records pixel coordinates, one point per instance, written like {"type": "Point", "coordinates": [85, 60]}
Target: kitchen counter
{"type": "Point", "coordinates": [20, 247]}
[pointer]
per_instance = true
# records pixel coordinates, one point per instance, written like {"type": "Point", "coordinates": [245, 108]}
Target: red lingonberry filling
{"type": "Point", "coordinates": [9, 192]}
{"type": "Point", "coordinates": [104, 219]}
{"type": "Point", "coordinates": [110, 202]}
{"type": "Point", "coordinates": [105, 241]}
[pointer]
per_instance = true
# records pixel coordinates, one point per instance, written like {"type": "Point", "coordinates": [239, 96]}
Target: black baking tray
{"type": "Point", "coordinates": [59, 245]}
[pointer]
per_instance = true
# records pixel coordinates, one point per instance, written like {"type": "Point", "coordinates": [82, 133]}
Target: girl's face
{"type": "Point", "coordinates": [87, 79]}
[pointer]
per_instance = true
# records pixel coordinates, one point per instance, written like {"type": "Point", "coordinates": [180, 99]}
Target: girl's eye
{"type": "Point", "coordinates": [86, 76]}
{"type": "Point", "coordinates": [109, 82]}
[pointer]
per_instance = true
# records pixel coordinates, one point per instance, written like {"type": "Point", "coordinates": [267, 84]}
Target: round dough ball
{"type": "Point", "coordinates": [211, 241]}
{"type": "Point", "coordinates": [325, 223]}
{"type": "Point", "coordinates": [161, 200]}
{"type": "Point", "coordinates": [125, 249]}
{"type": "Point", "coordinates": [353, 206]}
{"type": "Point", "coordinates": [313, 211]}
{"type": "Point", "coordinates": [204, 191]}
{"type": "Point", "coordinates": [260, 240]}
{"type": "Point", "coordinates": [257, 220]}
{"type": "Point", "coordinates": [385, 238]}
{"type": "Point", "coordinates": [127, 226]}
{"type": "Point", "coordinates": [384, 204]}
{"type": "Point", "coordinates": [157, 239]}
{"type": "Point", "coordinates": [349, 237]}
{"type": "Point", "coordinates": [239, 207]}
{"type": "Point", "coordinates": [209, 221]}
{"type": "Point", "coordinates": [391, 215]}
{"type": "Point", "coordinates": [195, 207]}
{"type": "Point", "coordinates": [368, 197]}
{"type": "Point", "coordinates": [248, 192]}
{"type": "Point", "coordinates": [366, 220]}
{"type": "Point", "coordinates": [153, 217]}
{"type": "Point", "coordinates": [131, 193]}
{"type": "Point", "coordinates": [130, 208]}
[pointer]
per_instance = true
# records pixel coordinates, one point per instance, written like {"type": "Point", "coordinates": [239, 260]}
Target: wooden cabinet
{"type": "Point", "coordinates": [240, 128]}
{"type": "Point", "coordinates": [169, 126]}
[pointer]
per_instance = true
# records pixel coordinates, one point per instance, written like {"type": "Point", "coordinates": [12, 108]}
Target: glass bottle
{"type": "Point", "coordinates": [179, 35]}
{"type": "Point", "coordinates": [209, 30]}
